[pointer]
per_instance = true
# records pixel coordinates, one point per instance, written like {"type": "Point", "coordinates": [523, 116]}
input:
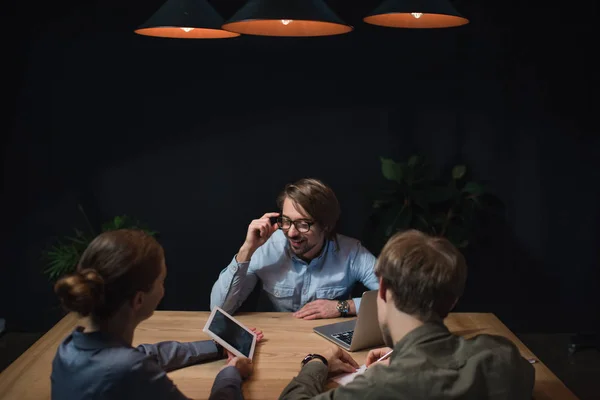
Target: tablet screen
{"type": "Point", "coordinates": [232, 333]}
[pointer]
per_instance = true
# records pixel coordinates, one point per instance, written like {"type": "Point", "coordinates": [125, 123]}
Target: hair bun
{"type": "Point", "coordinates": [82, 292]}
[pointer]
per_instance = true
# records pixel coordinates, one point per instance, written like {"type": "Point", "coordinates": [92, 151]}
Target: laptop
{"type": "Point", "coordinates": [359, 333]}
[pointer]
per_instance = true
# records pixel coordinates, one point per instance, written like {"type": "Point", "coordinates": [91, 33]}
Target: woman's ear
{"type": "Point", "coordinates": [137, 301]}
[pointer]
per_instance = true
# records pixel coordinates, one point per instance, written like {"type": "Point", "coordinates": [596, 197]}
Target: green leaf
{"type": "Point", "coordinates": [62, 256]}
{"type": "Point", "coordinates": [77, 240]}
{"type": "Point", "coordinates": [473, 188]}
{"type": "Point", "coordinates": [413, 160]}
{"type": "Point", "coordinates": [459, 171]}
{"type": "Point", "coordinates": [391, 170]}
{"type": "Point", "coordinates": [450, 206]}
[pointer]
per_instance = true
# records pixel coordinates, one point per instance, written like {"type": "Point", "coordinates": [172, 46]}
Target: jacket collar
{"type": "Point", "coordinates": [427, 332]}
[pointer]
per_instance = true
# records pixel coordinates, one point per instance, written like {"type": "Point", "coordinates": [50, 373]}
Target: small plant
{"type": "Point", "coordinates": [413, 199]}
{"type": "Point", "coordinates": [63, 255]}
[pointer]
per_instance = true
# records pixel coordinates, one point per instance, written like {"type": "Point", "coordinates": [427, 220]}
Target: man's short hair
{"type": "Point", "coordinates": [317, 199]}
{"type": "Point", "coordinates": [425, 274]}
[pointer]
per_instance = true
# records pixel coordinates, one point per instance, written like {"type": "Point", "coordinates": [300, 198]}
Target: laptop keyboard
{"type": "Point", "coordinates": [345, 337]}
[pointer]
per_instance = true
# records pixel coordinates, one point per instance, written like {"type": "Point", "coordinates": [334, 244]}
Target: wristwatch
{"type": "Point", "coordinates": [312, 357]}
{"type": "Point", "coordinates": [343, 307]}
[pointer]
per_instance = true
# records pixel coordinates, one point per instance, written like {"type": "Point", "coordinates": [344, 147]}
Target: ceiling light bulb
{"type": "Point", "coordinates": [187, 29]}
{"type": "Point", "coordinates": [286, 21]}
{"type": "Point", "coordinates": [417, 15]}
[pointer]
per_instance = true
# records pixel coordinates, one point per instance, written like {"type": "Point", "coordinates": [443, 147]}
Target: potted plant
{"type": "Point", "coordinates": [63, 254]}
{"type": "Point", "coordinates": [413, 198]}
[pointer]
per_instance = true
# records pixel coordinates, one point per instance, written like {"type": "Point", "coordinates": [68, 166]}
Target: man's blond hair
{"type": "Point", "coordinates": [426, 274]}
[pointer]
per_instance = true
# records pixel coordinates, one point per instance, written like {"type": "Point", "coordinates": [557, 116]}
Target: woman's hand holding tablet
{"type": "Point", "coordinates": [231, 334]}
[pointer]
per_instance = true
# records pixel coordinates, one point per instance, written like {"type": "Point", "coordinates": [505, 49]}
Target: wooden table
{"type": "Point", "coordinates": [277, 360]}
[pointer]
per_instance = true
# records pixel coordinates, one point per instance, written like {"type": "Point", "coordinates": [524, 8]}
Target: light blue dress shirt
{"type": "Point", "coordinates": [291, 282]}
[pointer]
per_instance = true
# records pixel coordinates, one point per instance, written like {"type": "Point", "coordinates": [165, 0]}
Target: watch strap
{"type": "Point", "coordinates": [312, 357]}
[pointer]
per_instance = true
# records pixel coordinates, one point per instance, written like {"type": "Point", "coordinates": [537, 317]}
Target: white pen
{"type": "Point", "coordinates": [386, 355]}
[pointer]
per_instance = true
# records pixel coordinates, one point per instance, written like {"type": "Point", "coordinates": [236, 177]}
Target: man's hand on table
{"type": "Point", "coordinates": [259, 334]}
{"type": "Point", "coordinates": [321, 308]}
{"type": "Point", "coordinates": [338, 361]}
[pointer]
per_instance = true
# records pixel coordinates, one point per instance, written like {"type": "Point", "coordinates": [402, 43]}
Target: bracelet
{"type": "Point", "coordinates": [312, 357]}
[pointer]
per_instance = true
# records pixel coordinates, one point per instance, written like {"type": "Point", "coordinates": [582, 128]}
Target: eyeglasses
{"type": "Point", "coordinates": [301, 225]}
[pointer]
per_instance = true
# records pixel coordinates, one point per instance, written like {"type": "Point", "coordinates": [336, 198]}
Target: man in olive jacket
{"type": "Point", "coordinates": [420, 280]}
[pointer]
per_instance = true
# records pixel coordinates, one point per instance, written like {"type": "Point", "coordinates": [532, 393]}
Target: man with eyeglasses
{"type": "Point", "coordinates": [304, 265]}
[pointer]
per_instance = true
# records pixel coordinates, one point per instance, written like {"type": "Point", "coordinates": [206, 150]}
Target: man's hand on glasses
{"type": "Point", "coordinates": [259, 231]}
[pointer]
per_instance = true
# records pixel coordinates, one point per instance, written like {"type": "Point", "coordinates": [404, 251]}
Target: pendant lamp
{"type": "Point", "coordinates": [286, 18]}
{"type": "Point", "coordinates": [416, 14]}
{"type": "Point", "coordinates": [185, 19]}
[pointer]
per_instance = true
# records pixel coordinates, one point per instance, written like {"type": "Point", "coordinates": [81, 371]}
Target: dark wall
{"type": "Point", "coordinates": [196, 138]}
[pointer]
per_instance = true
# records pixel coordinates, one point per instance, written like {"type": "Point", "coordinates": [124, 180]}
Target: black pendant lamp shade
{"type": "Point", "coordinates": [416, 14]}
{"type": "Point", "coordinates": [286, 18]}
{"type": "Point", "coordinates": [185, 19]}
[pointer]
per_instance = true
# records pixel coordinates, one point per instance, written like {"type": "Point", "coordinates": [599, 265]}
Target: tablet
{"type": "Point", "coordinates": [230, 333]}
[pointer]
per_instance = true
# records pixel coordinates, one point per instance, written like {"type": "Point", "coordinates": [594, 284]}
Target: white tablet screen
{"type": "Point", "coordinates": [232, 333]}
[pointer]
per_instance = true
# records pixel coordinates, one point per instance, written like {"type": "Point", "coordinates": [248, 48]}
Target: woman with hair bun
{"type": "Point", "coordinates": [118, 284]}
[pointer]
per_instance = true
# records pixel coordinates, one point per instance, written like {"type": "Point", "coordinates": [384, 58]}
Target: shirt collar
{"type": "Point", "coordinates": [94, 340]}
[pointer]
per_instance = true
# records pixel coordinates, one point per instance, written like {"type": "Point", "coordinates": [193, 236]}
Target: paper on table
{"type": "Point", "coordinates": [344, 379]}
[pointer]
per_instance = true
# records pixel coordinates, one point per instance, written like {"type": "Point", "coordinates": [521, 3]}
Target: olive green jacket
{"type": "Point", "coordinates": [430, 363]}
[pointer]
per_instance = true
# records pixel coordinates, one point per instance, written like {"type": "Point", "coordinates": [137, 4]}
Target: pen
{"type": "Point", "coordinates": [386, 355]}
